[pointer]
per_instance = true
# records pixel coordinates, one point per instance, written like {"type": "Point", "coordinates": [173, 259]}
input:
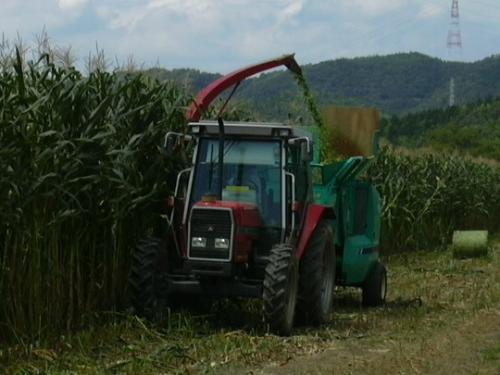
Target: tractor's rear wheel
{"type": "Point", "coordinates": [375, 286]}
{"type": "Point", "coordinates": [317, 276]}
{"type": "Point", "coordinates": [280, 288]}
{"type": "Point", "coordinates": [147, 284]}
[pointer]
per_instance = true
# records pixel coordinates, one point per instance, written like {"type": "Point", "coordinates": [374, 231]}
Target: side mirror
{"type": "Point", "coordinates": [306, 150]}
{"type": "Point", "coordinates": [172, 142]}
{"type": "Point", "coordinates": [306, 147]}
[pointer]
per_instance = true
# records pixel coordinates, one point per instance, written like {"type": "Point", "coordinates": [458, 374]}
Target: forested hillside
{"type": "Point", "coordinates": [190, 78]}
{"type": "Point", "coordinates": [397, 84]}
{"type": "Point", "coordinates": [473, 128]}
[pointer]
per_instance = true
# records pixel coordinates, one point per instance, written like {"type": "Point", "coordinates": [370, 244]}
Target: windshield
{"type": "Point", "coordinates": [251, 174]}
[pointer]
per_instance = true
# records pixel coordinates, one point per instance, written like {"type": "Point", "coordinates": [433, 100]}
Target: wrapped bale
{"type": "Point", "coordinates": [470, 244]}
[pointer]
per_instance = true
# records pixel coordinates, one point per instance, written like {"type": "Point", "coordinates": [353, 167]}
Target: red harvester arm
{"type": "Point", "coordinates": [209, 93]}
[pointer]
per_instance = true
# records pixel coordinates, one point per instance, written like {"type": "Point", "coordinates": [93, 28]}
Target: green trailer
{"type": "Point", "coordinates": [357, 225]}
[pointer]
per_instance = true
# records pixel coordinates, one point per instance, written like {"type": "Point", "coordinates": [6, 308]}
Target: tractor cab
{"type": "Point", "coordinates": [240, 202]}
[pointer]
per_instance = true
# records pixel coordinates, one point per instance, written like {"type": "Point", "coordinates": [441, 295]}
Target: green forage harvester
{"type": "Point", "coordinates": [470, 244]}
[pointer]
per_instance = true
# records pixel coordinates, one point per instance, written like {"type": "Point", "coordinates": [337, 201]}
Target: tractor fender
{"type": "Point", "coordinates": [315, 213]}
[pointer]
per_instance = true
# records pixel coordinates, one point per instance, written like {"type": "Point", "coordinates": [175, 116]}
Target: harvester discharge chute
{"type": "Point", "coordinates": [353, 130]}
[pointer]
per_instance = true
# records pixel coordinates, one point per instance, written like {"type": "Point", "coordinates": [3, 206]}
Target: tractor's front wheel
{"type": "Point", "coordinates": [375, 286]}
{"type": "Point", "coordinates": [280, 287]}
{"type": "Point", "coordinates": [317, 276]}
{"type": "Point", "coordinates": [147, 285]}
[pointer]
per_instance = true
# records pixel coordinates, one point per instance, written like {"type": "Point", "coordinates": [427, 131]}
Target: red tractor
{"type": "Point", "coordinates": [247, 220]}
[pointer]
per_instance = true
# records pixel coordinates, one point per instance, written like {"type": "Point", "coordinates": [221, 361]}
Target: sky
{"type": "Point", "coordinates": [222, 35]}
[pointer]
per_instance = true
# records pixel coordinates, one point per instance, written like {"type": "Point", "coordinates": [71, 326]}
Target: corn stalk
{"type": "Point", "coordinates": [82, 176]}
{"type": "Point", "coordinates": [425, 197]}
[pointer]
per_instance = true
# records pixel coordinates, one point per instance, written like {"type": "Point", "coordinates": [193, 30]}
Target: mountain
{"type": "Point", "coordinates": [193, 79]}
{"type": "Point", "coordinates": [396, 84]}
{"type": "Point", "coordinates": [473, 128]}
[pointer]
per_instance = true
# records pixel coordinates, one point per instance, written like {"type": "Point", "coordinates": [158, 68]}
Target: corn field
{"type": "Point", "coordinates": [425, 197]}
{"type": "Point", "coordinates": [82, 176]}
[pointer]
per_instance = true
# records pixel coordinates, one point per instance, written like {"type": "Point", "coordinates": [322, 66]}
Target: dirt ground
{"type": "Point", "coordinates": [456, 332]}
{"type": "Point", "coordinates": [462, 347]}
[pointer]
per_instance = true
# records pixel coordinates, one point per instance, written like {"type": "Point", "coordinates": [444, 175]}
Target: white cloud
{"type": "Point", "coordinates": [291, 11]}
{"type": "Point", "coordinates": [27, 18]}
{"type": "Point", "coordinates": [220, 35]}
{"type": "Point", "coordinates": [371, 8]}
{"type": "Point", "coordinates": [194, 13]}
{"type": "Point", "coordinates": [432, 10]}
{"type": "Point", "coordinates": [71, 4]}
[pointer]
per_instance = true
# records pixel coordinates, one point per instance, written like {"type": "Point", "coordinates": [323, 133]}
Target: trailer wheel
{"type": "Point", "coordinates": [146, 285]}
{"type": "Point", "coordinates": [317, 276]}
{"type": "Point", "coordinates": [375, 286]}
{"type": "Point", "coordinates": [280, 287]}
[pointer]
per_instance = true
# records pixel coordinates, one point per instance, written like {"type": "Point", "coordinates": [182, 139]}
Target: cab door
{"type": "Point", "coordinates": [298, 186]}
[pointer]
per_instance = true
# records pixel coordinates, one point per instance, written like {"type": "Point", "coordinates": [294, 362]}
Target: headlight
{"type": "Point", "coordinates": [221, 243]}
{"type": "Point", "coordinates": [198, 242]}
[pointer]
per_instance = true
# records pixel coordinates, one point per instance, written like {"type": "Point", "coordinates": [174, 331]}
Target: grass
{"type": "Point", "coordinates": [492, 354]}
{"type": "Point", "coordinates": [429, 293]}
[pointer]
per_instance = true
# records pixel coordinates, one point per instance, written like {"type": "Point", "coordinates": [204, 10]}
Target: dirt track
{"type": "Point", "coordinates": [458, 331]}
{"type": "Point", "coordinates": [459, 348]}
